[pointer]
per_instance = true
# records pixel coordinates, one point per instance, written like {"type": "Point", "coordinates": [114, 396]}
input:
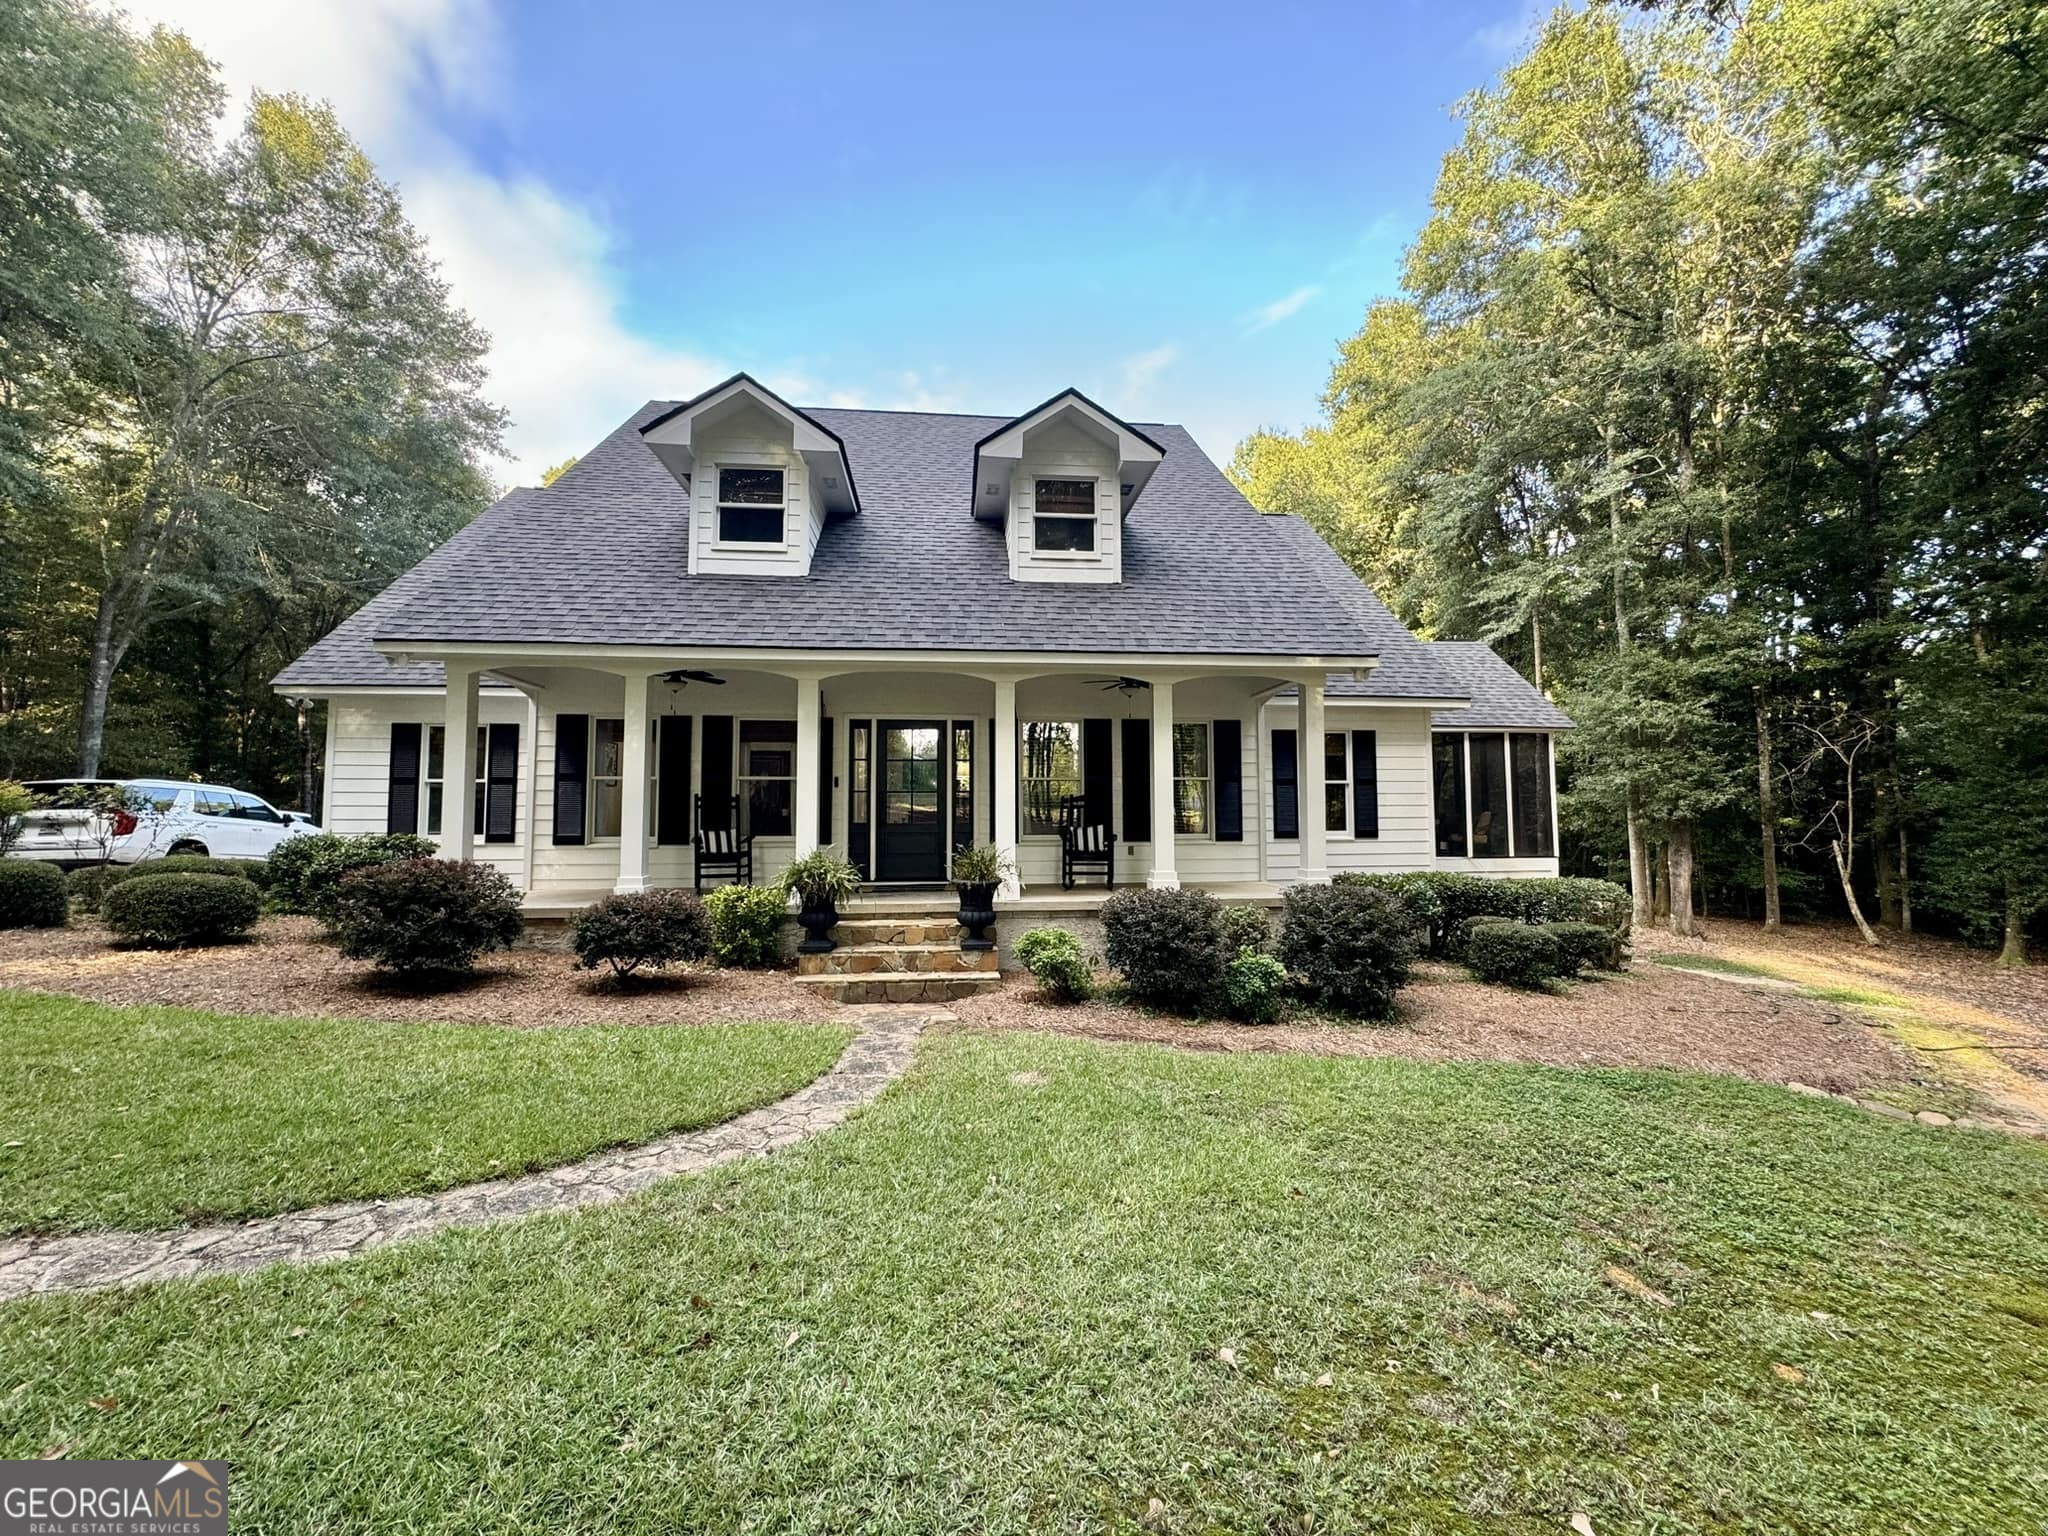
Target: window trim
{"type": "Point", "coordinates": [1207, 831]}
{"type": "Point", "coordinates": [1079, 724]}
{"type": "Point", "coordinates": [1343, 827]}
{"type": "Point", "coordinates": [719, 504]}
{"type": "Point", "coordinates": [429, 812]}
{"type": "Point", "coordinates": [592, 778]}
{"type": "Point", "coordinates": [741, 778]}
{"type": "Point", "coordinates": [1093, 553]}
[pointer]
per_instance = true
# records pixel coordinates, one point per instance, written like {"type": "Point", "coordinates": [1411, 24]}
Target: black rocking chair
{"type": "Point", "coordinates": [1084, 845]}
{"type": "Point", "coordinates": [723, 850]}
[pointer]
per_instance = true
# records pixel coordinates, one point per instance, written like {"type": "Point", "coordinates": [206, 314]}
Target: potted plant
{"type": "Point", "coordinates": [976, 874]}
{"type": "Point", "coordinates": [820, 880]}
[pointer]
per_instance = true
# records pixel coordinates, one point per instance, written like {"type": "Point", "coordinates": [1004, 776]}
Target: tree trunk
{"type": "Point", "coordinates": [311, 790]}
{"type": "Point", "coordinates": [1905, 885]}
{"type": "Point", "coordinates": [99, 681]}
{"type": "Point", "coordinates": [2015, 951]}
{"type": "Point", "coordinates": [1767, 812]}
{"type": "Point", "coordinates": [1887, 885]}
{"type": "Point", "coordinates": [1680, 854]}
{"type": "Point", "coordinates": [1660, 883]}
{"type": "Point", "coordinates": [1849, 895]}
{"type": "Point", "coordinates": [1640, 903]}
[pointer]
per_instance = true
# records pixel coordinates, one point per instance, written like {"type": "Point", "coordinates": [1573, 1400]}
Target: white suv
{"type": "Point", "coordinates": [124, 821]}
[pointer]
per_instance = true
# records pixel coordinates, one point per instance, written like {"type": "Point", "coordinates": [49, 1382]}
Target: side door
{"type": "Point", "coordinates": [215, 824]}
{"type": "Point", "coordinates": [260, 826]}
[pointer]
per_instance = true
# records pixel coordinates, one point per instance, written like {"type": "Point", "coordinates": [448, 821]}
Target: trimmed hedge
{"type": "Point", "coordinates": [1246, 928]}
{"type": "Point", "coordinates": [1348, 946]}
{"type": "Point", "coordinates": [1588, 946]}
{"type": "Point", "coordinates": [1442, 902]}
{"type": "Point", "coordinates": [304, 874]}
{"type": "Point", "coordinates": [1513, 954]}
{"type": "Point", "coordinates": [1058, 964]}
{"type": "Point", "coordinates": [90, 884]}
{"type": "Point", "coordinates": [32, 895]}
{"type": "Point", "coordinates": [642, 928]}
{"type": "Point", "coordinates": [424, 916]}
{"type": "Point", "coordinates": [181, 911]}
{"type": "Point", "coordinates": [746, 925]}
{"type": "Point", "coordinates": [1253, 987]}
{"type": "Point", "coordinates": [1168, 946]}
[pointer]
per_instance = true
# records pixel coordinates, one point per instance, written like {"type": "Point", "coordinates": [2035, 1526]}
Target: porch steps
{"type": "Point", "coordinates": [908, 959]}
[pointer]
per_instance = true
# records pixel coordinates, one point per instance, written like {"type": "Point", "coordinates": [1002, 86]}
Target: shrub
{"type": "Point", "coordinates": [1167, 944]}
{"type": "Point", "coordinates": [1056, 961]}
{"type": "Point", "coordinates": [1246, 928]}
{"type": "Point", "coordinates": [1445, 903]}
{"type": "Point", "coordinates": [746, 925]}
{"type": "Point", "coordinates": [650, 928]}
{"type": "Point", "coordinates": [88, 883]}
{"type": "Point", "coordinates": [179, 911]}
{"type": "Point", "coordinates": [1512, 954]}
{"type": "Point", "coordinates": [983, 865]}
{"type": "Point", "coordinates": [1253, 984]}
{"type": "Point", "coordinates": [820, 878]}
{"type": "Point", "coordinates": [304, 874]}
{"type": "Point", "coordinates": [15, 803]}
{"type": "Point", "coordinates": [424, 915]}
{"type": "Point", "coordinates": [32, 895]}
{"type": "Point", "coordinates": [1420, 891]}
{"type": "Point", "coordinates": [1349, 946]}
{"type": "Point", "coordinates": [1583, 946]}
{"type": "Point", "coordinates": [181, 864]}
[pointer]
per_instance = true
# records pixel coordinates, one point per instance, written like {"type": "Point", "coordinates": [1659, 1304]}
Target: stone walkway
{"type": "Point", "coordinates": [92, 1261]}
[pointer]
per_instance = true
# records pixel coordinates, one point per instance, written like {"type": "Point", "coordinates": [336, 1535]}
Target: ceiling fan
{"type": "Point", "coordinates": [683, 676]}
{"type": "Point", "coordinates": [1120, 684]}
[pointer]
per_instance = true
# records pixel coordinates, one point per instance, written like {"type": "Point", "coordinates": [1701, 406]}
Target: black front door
{"type": "Point", "coordinates": [910, 830]}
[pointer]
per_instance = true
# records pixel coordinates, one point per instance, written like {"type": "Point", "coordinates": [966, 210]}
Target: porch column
{"type": "Point", "coordinates": [1006, 781]}
{"type": "Point", "coordinates": [633, 763]}
{"type": "Point", "coordinates": [1163, 872]}
{"type": "Point", "coordinates": [458, 765]}
{"type": "Point", "coordinates": [1308, 778]}
{"type": "Point", "coordinates": [810, 761]}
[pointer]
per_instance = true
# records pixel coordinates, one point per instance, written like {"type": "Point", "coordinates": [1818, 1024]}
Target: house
{"type": "Point", "coordinates": [901, 632]}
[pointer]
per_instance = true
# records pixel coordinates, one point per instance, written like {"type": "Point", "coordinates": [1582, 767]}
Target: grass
{"type": "Point", "coordinates": [1713, 963]}
{"type": "Point", "coordinates": [146, 1117]}
{"type": "Point", "coordinates": [993, 1304]}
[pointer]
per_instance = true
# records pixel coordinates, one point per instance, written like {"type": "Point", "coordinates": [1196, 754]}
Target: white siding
{"type": "Point", "coordinates": [1407, 837]}
{"type": "Point", "coordinates": [1065, 452]}
{"type": "Point", "coordinates": [752, 438]}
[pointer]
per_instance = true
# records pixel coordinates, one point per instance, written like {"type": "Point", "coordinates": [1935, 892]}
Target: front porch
{"type": "Point", "coordinates": [562, 905]}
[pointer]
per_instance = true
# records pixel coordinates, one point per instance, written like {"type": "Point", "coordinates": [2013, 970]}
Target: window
{"type": "Point", "coordinates": [434, 778]}
{"type": "Point", "coordinates": [607, 777]}
{"type": "Point", "coordinates": [1336, 782]}
{"type": "Point", "coordinates": [1065, 517]}
{"type": "Point", "coordinates": [963, 783]}
{"type": "Point", "coordinates": [1531, 762]}
{"type": "Point", "coordinates": [1489, 796]}
{"type": "Point", "coordinates": [767, 775]}
{"type": "Point", "coordinates": [1191, 777]}
{"type": "Point", "coordinates": [1051, 769]}
{"type": "Point", "coordinates": [249, 808]}
{"type": "Point", "coordinates": [859, 752]}
{"type": "Point", "coordinates": [749, 506]}
{"type": "Point", "coordinates": [212, 802]}
{"type": "Point", "coordinates": [1448, 752]}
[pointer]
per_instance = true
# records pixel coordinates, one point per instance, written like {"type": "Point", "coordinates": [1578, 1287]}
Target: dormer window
{"type": "Point", "coordinates": [750, 506]}
{"type": "Point", "coordinates": [1065, 518]}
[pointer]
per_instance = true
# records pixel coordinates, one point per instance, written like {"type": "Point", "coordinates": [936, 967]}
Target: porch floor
{"type": "Point", "coordinates": [558, 904]}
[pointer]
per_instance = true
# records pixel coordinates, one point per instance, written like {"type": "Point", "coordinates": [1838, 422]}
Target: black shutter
{"type": "Point", "coordinates": [572, 775]}
{"type": "Point", "coordinates": [501, 784]}
{"type": "Point", "coordinates": [1286, 787]}
{"type": "Point", "coordinates": [825, 784]}
{"type": "Point", "coordinates": [672, 776]}
{"type": "Point", "coordinates": [1229, 750]}
{"type": "Point", "coordinates": [1365, 784]}
{"type": "Point", "coordinates": [402, 799]}
{"type": "Point", "coordinates": [718, 773]}
{"type": "Point", "coordinates": [1098, 777]}
{"type": "Point", "coordinates": [1137, 781]}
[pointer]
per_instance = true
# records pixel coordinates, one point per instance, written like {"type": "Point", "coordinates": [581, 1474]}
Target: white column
{"type": "Point", "coordinates": [633, 761]}
{"type": "Point", "coordinates": [458, 765]}
{"type": "Point", "coordinates": [1006, 780]}
{"type": "Point", "coordinates": [1308, 775]}
{"type": "Point", "coordinates": [1163, 872]}
{"type": "Point", "coordinates": [810, 759]}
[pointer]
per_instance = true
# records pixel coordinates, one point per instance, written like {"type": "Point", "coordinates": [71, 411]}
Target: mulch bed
{"type": "Point", "coordinates": [1651, 1017]}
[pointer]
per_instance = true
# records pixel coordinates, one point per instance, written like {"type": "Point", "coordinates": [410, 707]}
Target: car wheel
{"type": "Point", "coordinates": [188, 846]}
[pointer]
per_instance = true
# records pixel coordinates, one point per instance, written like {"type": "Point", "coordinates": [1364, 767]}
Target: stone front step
{"type": "Point", "coordinates": [932, 928]}
{"type": "Point", "coordinates": [873, 959]}
{"type": "Point", "coordinates": [903, 987]}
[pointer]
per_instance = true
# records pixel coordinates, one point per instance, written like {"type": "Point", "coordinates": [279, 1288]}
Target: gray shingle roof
{"type": "Point", "coordinates": [1502, 699]}
{"type": "Point", "coordinates": [600, 557]}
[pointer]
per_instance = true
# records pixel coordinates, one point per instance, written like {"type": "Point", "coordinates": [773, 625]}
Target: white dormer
{"type": "Point", "coordinates": [1061, 479]}
{"type": "Point", "coordinates": [763, 479]}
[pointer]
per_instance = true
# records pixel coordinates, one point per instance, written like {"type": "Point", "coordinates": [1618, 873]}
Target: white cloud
{"type": "Point", "coordinates": [1140, 371]}
{"type": "Point", "coordinates": [532, 266]}
{"type": "Point", "coordinates": [1286, 307]}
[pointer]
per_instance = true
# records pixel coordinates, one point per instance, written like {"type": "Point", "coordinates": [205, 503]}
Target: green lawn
{"type": "Point", "coordinates": [993, 1305]}
{"type": "Point", "coordinates": [146, 1117]}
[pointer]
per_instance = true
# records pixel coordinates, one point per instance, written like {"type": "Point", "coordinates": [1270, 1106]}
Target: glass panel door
{"type": "Point", "coordinates": [910, 838]}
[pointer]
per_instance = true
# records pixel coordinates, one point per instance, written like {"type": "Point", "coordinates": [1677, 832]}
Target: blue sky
{"type": "Point", "coordinates": [1180, 209]}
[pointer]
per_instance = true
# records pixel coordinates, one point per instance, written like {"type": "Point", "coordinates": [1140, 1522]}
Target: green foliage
{"type": "Point", "coordinates": [1254, 985]}
{"type": "Point", "coordinates": [180, 911]}
{"type": "Point", "coordinates": [1588, 946]}
{"type": "Point", "coordinates": [252, 870]}
{"type": "Point", "coordinates": [1348, 946]}
{"type": "Point", "coordinates": [985, 864]}
{"type": "Point", "coordinates": [643, 928]}
{"type": "Point", "coordinates": [1246, 928]}
{"type": "Point", "coordinates": [1057, 962]}
{"type": "Point", "coordinates": [424, 917]}
{"type": "Point", "coordinates": [820, 878]}
{"type": "Point", "coordinates": [1512, 954]}
{"type": "Point", "coordinates": [32, 895]}
{"type": "Point", "coordinates": [89, 882]}
{"type": "Point", "coordinates": [1443, 904]}
{"type": "Point", "coordinates": [304, 874]}
{"type": "Point", "coordinates": [746, 925]}
{"type": "Point", "coordinates": [15, 803]}
{"type": "Point", "coordinates": [1167, 945]}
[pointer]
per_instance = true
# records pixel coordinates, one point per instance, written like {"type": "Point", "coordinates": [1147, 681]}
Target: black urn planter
{"type": "Point", "coordinates": [977, 913]}
{"type": "Point", "coordinates": [818, 919]}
